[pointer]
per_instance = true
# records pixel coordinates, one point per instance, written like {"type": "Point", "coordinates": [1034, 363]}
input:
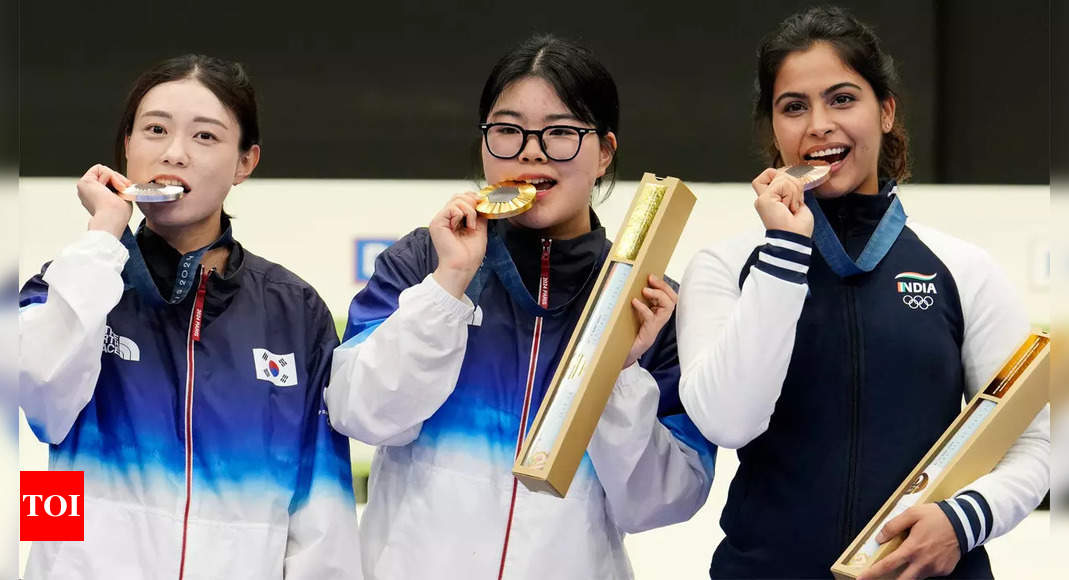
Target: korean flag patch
{"type": "Point", "coordinates": [279, 369]}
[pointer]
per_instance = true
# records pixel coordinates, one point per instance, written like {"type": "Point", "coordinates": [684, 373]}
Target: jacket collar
{"type": "Point", "coordinates": [165, 263]}
{"type": "Point", "coordinates": [571, 261]}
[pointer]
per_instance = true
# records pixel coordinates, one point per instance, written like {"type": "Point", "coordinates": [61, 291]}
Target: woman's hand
{"type": "Point", "coordinates": [661, 301]}
{"type": "Point", "coordinates": [781, 202]}
{"type": "Point", "coordinates": [110, 213]}
{"type": "Point", "coordinates": [930, 549]}
{"type": "Point", "coordinates": [459, 236]}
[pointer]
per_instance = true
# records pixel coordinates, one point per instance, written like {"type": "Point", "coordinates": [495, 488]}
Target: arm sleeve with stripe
{"type": "Point", "coordinates": [735, 345]}
{"type": "Point", "coordinates": [995, 326]}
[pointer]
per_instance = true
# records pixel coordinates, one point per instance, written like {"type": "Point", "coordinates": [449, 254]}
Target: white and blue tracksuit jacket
{"type": "Point", "coordinates": [446, 390]}
{"type": "Point", "coordinates": [199, 424]}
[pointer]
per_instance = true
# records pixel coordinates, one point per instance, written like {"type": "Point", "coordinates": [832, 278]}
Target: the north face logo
{"type": "Point", "coordinates": [120, 346]}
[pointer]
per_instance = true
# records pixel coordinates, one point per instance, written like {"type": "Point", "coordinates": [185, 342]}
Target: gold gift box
{"type": "Point", "coordinates": [968, 449]}
{"type": "Point", "coordinates": [598, 347]}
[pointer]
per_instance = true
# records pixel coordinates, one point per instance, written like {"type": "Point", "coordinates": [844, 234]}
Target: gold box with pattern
{"type": "Point", "coordinates": [598, 348]}
{"type": "Point", "coordinates": [968, 449]}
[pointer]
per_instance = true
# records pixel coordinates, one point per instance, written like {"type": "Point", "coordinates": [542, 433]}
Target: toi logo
{"type": "Point", "coordinates": [52, 505]}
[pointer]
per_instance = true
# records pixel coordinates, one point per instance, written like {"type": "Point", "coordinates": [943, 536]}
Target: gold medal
{"type": "Point", "coordinates": [505, 199]}
{"type": "Point", "coordinates": [813, 175]}
{"type": "Point", "coordinates": [152, 192]}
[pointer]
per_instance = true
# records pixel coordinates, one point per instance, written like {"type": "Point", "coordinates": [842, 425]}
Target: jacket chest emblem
{"type": "Point", "coordinates": [278, 369]}
{"type": "Point", "coordinates": [120, 346]}
{"type": "Point", "coordinates": [918, 291]}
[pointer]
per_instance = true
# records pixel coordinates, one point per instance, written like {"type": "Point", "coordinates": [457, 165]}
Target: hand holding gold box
{"type": "Point", "coordinates": [968, 449]}
{"type": "Point", "coordinates": [598, 348]}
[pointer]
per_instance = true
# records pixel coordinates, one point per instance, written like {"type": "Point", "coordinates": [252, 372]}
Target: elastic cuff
{"type": "Point", "coordinates": [955, 523]}
{"type": "Point", "coordinates": [632, 375]}
{"type": "Point", "coordinates": [99, 244]}
{"type": "Point", "coordinates": [785, 255]}
{"type": "Point", "coordinates": [970, 515]}
{"type": "Point", "coordinates": [635, 395]}
{"type": "Point", "coordinates": [458, 309]}
{"type": "Point", "coordinates": [784, 235]}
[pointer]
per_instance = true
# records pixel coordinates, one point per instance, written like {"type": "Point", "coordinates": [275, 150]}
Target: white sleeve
{"type": "Point", "coordinates": [385, 383]}
{"type": "Point", "coordinates": [995, 326]}
{"type": "Point", "coordinates": [735, 346]}
{"type": "Point", "coordinates": [61, 338]}
{"type": "Point", "coordinates": [650, 477]}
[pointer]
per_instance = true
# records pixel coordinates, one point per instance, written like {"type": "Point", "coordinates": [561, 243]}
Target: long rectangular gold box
{"type": "Point", "coordinates": [968, 449]}
{"type": "Point", "coordinates": [606, 329]}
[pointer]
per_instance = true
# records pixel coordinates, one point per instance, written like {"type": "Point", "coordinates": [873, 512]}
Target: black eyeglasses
{"type": "Point", "coordinates": [558, 142]}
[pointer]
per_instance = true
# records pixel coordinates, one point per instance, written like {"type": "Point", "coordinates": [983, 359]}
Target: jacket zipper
{"type": "Point", "coordinates": [543, 301]}
{"type": "Point", "coordinates": [855, 395]}
{"type": "Point", "coordinates": [854, 331]}
{"type": "Point", "coordinates": [196, 319]}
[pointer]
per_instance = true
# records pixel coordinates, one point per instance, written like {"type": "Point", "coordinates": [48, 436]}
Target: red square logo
{"type": "Point", "coordinates": [52, 505]}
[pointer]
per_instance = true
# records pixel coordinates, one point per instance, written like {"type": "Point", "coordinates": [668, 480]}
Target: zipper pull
{"type": "Point", "coordinates": [198, 305]}
{"type": "Point", "coordinates": [543, 283]}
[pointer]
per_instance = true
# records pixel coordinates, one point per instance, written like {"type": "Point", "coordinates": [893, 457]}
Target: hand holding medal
{"type": "Point", "coordinates": [458, 232]}
{"type": "Point", "coordinates": [96, 191]}
{"type": "Point", "coordinates": [781, 196]}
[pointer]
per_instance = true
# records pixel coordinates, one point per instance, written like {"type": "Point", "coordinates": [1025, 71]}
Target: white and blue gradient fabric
{"type": "Point", "coordinates": [194, 466]}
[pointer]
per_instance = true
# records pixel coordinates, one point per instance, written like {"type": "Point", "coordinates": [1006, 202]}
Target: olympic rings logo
{"type": "Point", "coordinates": [921, 302]}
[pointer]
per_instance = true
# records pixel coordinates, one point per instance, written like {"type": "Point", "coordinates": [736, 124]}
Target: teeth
{"type": "Point", "coordinates": [539, 180]}
{"type": "Point", "coordinates": [826, 152]}
{"type": "Point", "coordinates": [168, 181]}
